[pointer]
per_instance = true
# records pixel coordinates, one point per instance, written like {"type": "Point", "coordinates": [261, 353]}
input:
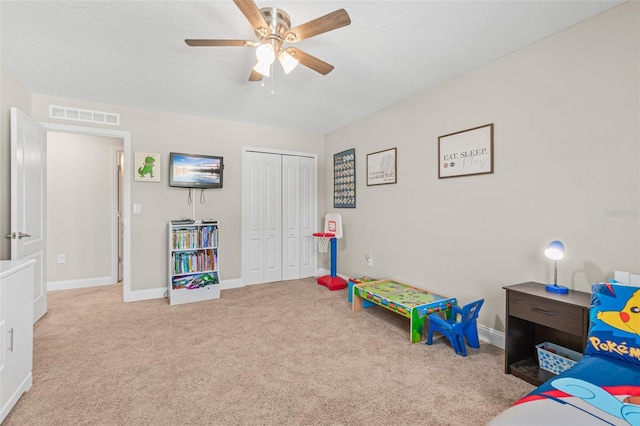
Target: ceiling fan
{"type": "Point", "coordinates": [273, 29]}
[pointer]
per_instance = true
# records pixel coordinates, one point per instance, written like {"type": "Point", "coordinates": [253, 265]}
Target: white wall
{"type": "Point", "coordinates": [162, 133]}
{"type": "Point", "coordinates": [81, 185]}
{"type": "Point", "coordinates": [566, 160]}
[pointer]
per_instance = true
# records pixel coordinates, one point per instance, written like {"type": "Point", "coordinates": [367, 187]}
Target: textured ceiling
{"type": "Point", "coordinates": [133, 53]}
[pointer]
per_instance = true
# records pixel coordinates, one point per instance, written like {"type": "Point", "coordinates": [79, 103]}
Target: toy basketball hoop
{"type": "Point", "coordinates": [329, 238]}
{"type": "Point", "coordinates": [323, 240]}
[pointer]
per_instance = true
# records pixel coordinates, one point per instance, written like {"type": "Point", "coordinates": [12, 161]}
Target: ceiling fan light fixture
{"type": "Point", "coordinates": [263, 68]}
{"type": "Point", "coordinates": [265, 54]}
{"type": "Point", "coordinates": [272, 27]}
{"type": "Point", "coordinates": [287, 61]}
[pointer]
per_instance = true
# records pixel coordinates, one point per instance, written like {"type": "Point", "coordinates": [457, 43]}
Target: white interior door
{"type": "Point", "coordinates": [290, 217]}
{"type": "Point", "coordinates": [307, 216]}
{"type": "Point", "coordinates": [253, 190]}
{"type": "Point", "coordinates": [272, 218]}
{"type": "Point", "coordinates": [262, 218]}
{"type": "Point", "coordinates": [28, 201]}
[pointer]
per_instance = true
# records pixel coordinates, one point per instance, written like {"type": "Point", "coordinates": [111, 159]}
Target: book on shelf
{"type": "Point", "coordinates": [197, 261]}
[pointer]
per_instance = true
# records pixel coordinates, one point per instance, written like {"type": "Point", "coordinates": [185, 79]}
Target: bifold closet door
{"type": "Point", "coordinates": [297, 217]}
{"type": "Point", "coordinates": [307, 216]}
{"type": "Point", "coordinates": [263, 217]}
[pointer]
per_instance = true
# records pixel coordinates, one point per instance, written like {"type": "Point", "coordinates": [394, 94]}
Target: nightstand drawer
{"type": "Point", "coordinates": [550, 313]}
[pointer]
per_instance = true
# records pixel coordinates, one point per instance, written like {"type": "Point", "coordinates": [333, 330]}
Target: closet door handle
{"type": "Point", "coordinates": [10, 349]}
{"type": "Point", "coordinates": [542, 311]}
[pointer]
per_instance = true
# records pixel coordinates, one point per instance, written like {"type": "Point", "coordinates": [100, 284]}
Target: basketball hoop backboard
{"type": "Point", "coordinates": [333, 224]}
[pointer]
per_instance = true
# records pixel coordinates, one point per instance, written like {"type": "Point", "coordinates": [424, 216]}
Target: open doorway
{"type": "Point", "coordinates": [77, 200]}
{"type": "Point", "coordinates": [83, 213]}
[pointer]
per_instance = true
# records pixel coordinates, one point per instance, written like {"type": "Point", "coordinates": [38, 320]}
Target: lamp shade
{"type": "Point", "coordinates": [263, 68]}
{"type": "Point", "coordinates": [555, 250]}
{"type": "Point", "coordinates": [287, 61]}
{"type": "Point", "coordinates": [266, 54]}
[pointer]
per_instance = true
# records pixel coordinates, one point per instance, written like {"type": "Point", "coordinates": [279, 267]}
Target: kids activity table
{"type": "Point", "coordinates": [411, 302]}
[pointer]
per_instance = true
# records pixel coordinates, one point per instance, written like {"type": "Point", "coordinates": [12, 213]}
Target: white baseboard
{"type": "Point", "coordinates": [81, 283]}
{"type": "Point", "coordinates": [228, 284]}
{"type": "Point", "coordinates": [140, 295]}
{"type": "Point", "coordinates": [491, 336]}
{"type": "Point", "coordinates": [322, 272]}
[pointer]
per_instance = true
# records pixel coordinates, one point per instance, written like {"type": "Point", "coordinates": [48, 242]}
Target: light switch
{"type": "Point", "coordinates": [137, 208]}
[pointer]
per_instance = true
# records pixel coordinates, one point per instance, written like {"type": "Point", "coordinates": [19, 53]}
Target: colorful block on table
{"type": "Point", "coordinates": [359, 280]}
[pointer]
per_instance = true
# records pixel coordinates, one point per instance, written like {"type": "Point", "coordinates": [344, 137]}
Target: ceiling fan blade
{"type": "Point", "coordinates": [334, 20]}
{"type": "Point", "coordinates": [253, 15]}
{"type": "Point", "coordinates": [310, 61]}
{"type": "Point", "coordinates": [204, 43]}
{"type": "Point", "coordinates": [255, 76]}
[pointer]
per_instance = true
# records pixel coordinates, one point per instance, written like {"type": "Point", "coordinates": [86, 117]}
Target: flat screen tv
{"type": "Point", "coordinates": [195, 170]}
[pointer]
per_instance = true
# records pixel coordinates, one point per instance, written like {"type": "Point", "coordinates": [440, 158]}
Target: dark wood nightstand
{"type": "Point", "coordinates": [535, 315]}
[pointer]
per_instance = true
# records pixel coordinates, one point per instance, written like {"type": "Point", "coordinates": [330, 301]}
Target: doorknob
{"type": "Point", "coordinates": [18, 235]}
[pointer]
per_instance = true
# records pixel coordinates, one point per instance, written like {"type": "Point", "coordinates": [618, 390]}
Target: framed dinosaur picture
{"type": "Point", "coordinates": [146, 167]}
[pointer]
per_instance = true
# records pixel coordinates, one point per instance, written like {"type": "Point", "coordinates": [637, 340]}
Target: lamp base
{"type": "Point", "coordinates": [555, 288]}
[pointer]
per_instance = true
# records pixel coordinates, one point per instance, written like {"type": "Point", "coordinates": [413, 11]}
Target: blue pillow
{"type": "Point", "coordinates": [614, 330]}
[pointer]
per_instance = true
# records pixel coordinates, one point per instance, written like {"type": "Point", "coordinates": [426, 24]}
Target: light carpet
{"type": "Point", "coordinates": [285, 353]}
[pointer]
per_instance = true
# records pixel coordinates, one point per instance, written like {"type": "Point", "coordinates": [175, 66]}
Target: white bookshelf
{"type": "Point", "coordinates": [194, 273]}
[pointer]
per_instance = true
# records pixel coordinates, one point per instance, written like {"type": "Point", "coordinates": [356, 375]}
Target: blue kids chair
{"type": "Point", "coordinates": [461, 324]}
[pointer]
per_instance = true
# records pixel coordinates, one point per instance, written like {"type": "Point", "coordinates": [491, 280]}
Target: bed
{"type": "Point", "coordinates": [603, 388]}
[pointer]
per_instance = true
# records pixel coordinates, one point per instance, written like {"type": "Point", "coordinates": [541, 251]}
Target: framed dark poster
{"type": "Point", "coordinates": [344, 179]}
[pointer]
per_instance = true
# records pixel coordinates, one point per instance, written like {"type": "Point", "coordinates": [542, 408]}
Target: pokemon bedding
{"type": "Point", "coordinates": [603, 388]}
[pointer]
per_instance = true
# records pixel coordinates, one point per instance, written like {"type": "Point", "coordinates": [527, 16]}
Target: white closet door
{"type": "Point", "coordinates": [262, 221]}
{"type": "Point", "coordinates": [253, 219]}
{"type": "Point", "coordinates": [291, 217]}
{"type": "Point", "coordinates": [307, 214]}
{"type": "Point", "coordinates": [272, 217]}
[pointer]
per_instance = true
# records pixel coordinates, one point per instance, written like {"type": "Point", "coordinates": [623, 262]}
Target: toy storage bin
{"type": "Point", "coordinates": [555, 358]}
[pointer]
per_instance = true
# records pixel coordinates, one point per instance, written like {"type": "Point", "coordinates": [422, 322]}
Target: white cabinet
{"type": "Point", "coordinates": [193, 262]}
{"type": "Point", "coordinates": [16, 328]}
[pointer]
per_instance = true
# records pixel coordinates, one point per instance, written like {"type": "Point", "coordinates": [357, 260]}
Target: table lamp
{"type": "Point", "coordinates": [555, 252]}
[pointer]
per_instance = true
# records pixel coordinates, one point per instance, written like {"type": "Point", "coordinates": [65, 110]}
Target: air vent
{"type": "Point", "coordinates": [75, 114]}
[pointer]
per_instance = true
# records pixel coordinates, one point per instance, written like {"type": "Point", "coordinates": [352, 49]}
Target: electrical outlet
{"type": "Point", "coordinates": [369, 259]}
{"type": "Point", "coordinates": [62, 258]}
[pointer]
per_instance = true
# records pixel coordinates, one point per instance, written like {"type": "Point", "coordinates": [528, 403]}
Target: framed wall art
{"type": "Point", "coordinates": [344, 179]}
{"type": "Point", "coordinates": [146, 167]}
{"type": "Point", "coordinates": [382, 167]}
{"type": "Point", "coordinates": [465, 153]}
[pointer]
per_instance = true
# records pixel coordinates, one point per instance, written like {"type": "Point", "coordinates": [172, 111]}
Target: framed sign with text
{"type": "Point", "coordinates": [464, 153]}
{"type": "Point", "coordinates": [344, 179]}
{"type": "Point", "coordinates": [382, 167]}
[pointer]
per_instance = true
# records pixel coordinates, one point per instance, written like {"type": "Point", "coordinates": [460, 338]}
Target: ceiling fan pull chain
{"type": "Point", "coordinates": [273, 77]}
